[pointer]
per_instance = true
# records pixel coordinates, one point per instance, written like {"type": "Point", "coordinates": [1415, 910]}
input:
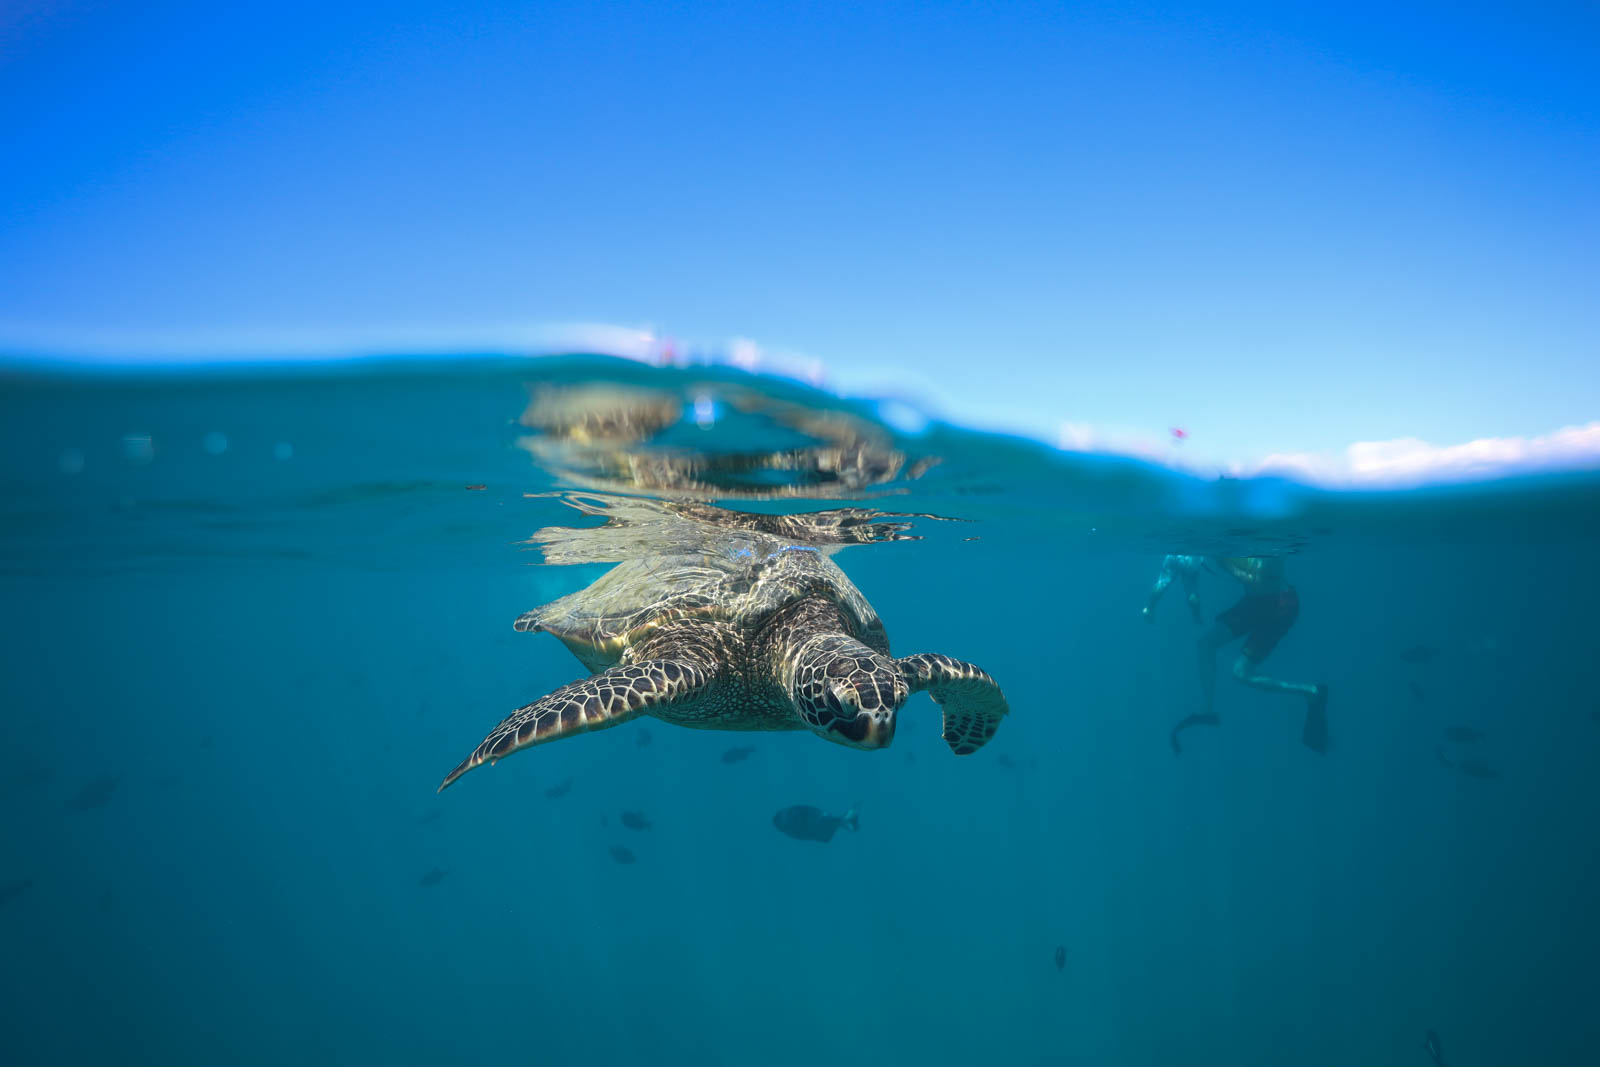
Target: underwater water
{"type": "Point", "coordinates": [253, 618]}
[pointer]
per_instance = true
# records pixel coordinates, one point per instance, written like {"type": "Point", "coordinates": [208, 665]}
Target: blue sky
{"type": "Point", "coordinates": [1283, 228]}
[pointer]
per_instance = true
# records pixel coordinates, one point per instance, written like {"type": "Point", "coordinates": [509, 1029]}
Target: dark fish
{"type": "Point", "coordinates": [621, 855]}
{"type": "Point", "coordinates": [560, 789]}
{"type": "Point", "coordinates": [642, 739]}
{"type": "Point", "coordinates": [479, 488]}
{"type": "Point", "coordinates": [1006, 761]}
{"type": "Point", "coordinates": [635, 820]}
{"type": "Point", "coordinates": [1419, 653]}
{"type": "Point", "coordinates": [1444, 761]}
{"type": "Point", "coordinates": [95, 794]}
{"type": "Point", "coordinates": [1417, 693]}
{"type": "Point", "coordinates": [10, 891]}
{"type": "Point", "coordinates": [433, 877]}
{"type": "Point", "coordinates": [1430, 1044]}
{"type": "Point", "coordinates": [805, 823]}
{"type": "Point", "coordinates": [432, 816]}
{"type": "Point", "coordinates": [1061, 957]}
{"type": "Point", "coordinates": [1465, 735]}
{"type": "Point", "coordinates": [1478, 770]}
{"type": "Point", "coordinates": [737, 754]}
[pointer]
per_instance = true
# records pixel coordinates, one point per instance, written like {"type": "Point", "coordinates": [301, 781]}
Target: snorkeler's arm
{"type": "Point", "coordinates": [1240, 568]}
{"type": "Point", "coordinates": [1191, 591]}
{"type": "Point", "coordinates": [1163, 580]}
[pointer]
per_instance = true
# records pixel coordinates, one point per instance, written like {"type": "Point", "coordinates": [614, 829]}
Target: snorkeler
{"type": "Point", "coordinates": [1187, 570]}
{"type": "Point", "coordinates": [1262, 616]}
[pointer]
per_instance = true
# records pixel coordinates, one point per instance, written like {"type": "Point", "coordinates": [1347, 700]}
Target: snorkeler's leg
{"type": "Point", "coordinates": [1315, 732]}
{"type": "Point", "coordinates": [1248, 671]}
{"type": "Point", "coordinates": [1206, 649]}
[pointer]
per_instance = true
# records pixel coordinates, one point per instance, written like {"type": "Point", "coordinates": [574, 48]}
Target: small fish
{"type": "Point", "coordinates": [1464, 735]}
{"type": "Point", "coordinates": [1061, 957]}
{"type": "Point", "coordinates": [1006, 761]}
{"type": "Point", "coordinates": [1478, 770]}
{"type": "Point", "coordinates": [737, 754]}
{"type": "Point", "coordinates": [432, 878]}
{"type": "Point", "coordinates": [560, 789]}
{"type": "Point", "coordinates": [432, 816]}
{"type": "Point", "coordinates": [635, 820]}
{"type": "Point", "coordinates": [1417, 692]}
{"type": "Point", "coordinates": [478, 487]}
{"type": "Point", "coordinates": [1444, 760]}
{"type": "Point", "coordinates": [972, 539]}
{"type": "Point", "coordinates": [1419, 653]}
{"type": "Point", "coordinates": [1430, 1044]}
{"type": "Point", "coordinates": [11, 890]}
{"type": "Point", "coordinates": [805, 823]}
{"type": "Point", "coordinates": [621, 855]}
{"type": "Point", "coordinates": [643, 738]}
{"type": "Point", "coordinates": [95, 794]}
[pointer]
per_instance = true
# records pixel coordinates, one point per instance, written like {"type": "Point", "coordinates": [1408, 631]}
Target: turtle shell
{"type": "Point", "coordinates": [744, 583]}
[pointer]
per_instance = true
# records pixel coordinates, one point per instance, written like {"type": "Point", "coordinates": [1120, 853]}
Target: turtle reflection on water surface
{"type": "Point", "coordinates": [609, 436]}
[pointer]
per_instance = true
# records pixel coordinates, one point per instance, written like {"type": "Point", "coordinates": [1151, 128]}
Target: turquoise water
{"type": "Point", "coordinates": [253, 618]}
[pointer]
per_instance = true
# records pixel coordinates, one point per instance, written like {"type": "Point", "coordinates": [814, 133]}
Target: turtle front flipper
{"type": "Point", "coordinates": [607, 699]}
{"type": "Point", "coordinates": [972, 702]}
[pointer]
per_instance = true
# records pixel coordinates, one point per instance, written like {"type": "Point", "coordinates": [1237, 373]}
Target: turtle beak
{"type": "Point", "coordinates": [869, 729]}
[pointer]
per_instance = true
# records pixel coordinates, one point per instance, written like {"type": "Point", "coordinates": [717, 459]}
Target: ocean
{"type": "Point", "coordinates": [253, 616]}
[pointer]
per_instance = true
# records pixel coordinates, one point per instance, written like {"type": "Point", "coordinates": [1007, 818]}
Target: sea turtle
{"type": "Point", "coordinates": [733, 624]}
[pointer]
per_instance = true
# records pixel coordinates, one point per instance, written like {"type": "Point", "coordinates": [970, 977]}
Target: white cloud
{"type": "Point", "coordinates": [1409, 461]}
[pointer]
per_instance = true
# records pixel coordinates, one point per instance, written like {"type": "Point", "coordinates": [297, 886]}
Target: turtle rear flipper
{"type": "Point", "coordinates": [607, 699]}
{"type": "Point", "coordinates": [972, 702]}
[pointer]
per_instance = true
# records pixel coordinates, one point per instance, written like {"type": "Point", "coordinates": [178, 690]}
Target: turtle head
{"type": "Point", "coordinates": [847, 692]}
